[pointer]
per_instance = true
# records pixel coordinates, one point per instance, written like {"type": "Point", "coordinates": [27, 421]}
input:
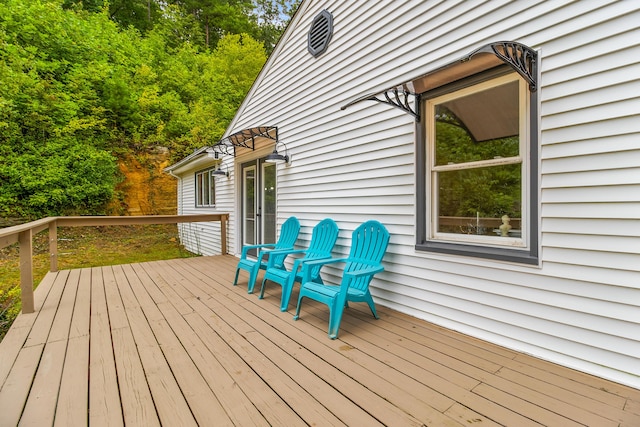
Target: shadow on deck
{"type": "Point", "coordinates": [173, 343]}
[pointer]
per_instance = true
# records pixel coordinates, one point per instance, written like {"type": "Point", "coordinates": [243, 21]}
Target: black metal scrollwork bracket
{"type": "Point", "coordinates": [245, 139]}
{"type": "Point", "coordinates": [399, 99]}
{"type": "Point", "coordinates": [521, 58]}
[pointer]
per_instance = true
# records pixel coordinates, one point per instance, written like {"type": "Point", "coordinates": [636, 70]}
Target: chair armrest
{"type": "Point", "coordinates": [298, 263]}
{"type": "Point", "coordinates": [350, 276]}
{"type": "Point", "coordinates": [326, 261]}
{"type": "Point", "coordinates": [365, 272]}
{"type": "Point", "coordinates": [307, 265]}
{"type": "Point", "coordinates": [285, 252]}
{"type": "Point", "coordinates": [246, 249]}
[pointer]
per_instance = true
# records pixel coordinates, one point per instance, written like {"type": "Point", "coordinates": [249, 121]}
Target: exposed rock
{"type": "Point", "coordinates": [146, 189]}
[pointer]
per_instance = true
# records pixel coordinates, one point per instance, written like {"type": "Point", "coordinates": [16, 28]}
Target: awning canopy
{"type": "Point", "coordinates": [484, 117]}
{"type": "Point", "coordinates": [404, 95]}
{"type": "Point", "coordinates": [245, 138]}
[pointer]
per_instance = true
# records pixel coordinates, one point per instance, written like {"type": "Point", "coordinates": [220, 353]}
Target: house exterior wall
{"type": "Point", "coordinates": [580, 306]}
{"type": "Point", "coordinates": [203, 238]}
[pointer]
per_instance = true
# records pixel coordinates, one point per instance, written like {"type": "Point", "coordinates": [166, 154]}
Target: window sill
{"type": "Point", "coordinates": [486, 252]}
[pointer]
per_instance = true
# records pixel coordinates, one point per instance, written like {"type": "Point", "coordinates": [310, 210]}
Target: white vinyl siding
{"type": "Point", "coordinates": [579, 306]}
{"type": "Point", "coordinates": [203, 238]}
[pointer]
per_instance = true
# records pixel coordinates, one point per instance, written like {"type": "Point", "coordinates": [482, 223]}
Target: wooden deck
{"type": "Point", "coordinates": [173, 343]}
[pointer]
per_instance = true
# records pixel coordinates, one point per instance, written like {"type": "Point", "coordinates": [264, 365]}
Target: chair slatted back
{"type": "Point", "coordinates": [323, 239]}
{"type": "Point", "coordinates": [368, 245]}
{"type": "Point", "coordinates": [288, 236]}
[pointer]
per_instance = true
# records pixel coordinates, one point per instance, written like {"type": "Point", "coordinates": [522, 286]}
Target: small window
{"type": "Point", "coordinates": [480, 176]}
{"type": "Point", "coordinates": [205, 189]}
{"type": "Point", "coordinates": [320, 33]}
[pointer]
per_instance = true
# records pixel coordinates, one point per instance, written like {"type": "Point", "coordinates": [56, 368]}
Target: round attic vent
{"type": "Point", "coordinates": [320, 33]}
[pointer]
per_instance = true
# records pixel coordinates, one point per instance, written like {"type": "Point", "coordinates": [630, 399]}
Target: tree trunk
{"type": "Point", "coordinates": [206, 32]}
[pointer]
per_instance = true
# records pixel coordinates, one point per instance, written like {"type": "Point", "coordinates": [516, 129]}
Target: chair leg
{"type": "Point", "coordinates": [261, 296]}
{"type": "Point", "coordinates": [253, 275]}
{"type": "Point", "coordinates": [369, 300]}
{"type": "Point", "coordinates": [287, 288]}
{"type": "Point", "coordinates": [235, 281]}
{"type": "Point", "coordinates": [335, 317]}
{"type": "Point", "coordinates": [297, 315]}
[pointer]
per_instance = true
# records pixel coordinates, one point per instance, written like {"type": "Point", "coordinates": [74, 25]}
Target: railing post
{"type": "Point", "coordinates": [53, 246]}
{"type": "Point", "coordinates": [25, 238]}
{"type": "Point", "coordinates": [223, 233]}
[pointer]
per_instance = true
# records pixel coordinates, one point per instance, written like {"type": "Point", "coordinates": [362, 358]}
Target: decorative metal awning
{"type": "Point", "coordinates": [245, 138]}
{"type": "Point", "coordinates": [406, 95]}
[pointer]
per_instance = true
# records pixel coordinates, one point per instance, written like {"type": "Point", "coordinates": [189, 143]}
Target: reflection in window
{"type": "Point", "coordinates": [269, 202]}
{"type": "Point", "coordinates": [205, 189]}
{"type": "Point", "coordinates": [473, 201]}
{"type": "Point", "coordinates": [477, 163]}
{"type": "Point", "coordinates": [250, 206]}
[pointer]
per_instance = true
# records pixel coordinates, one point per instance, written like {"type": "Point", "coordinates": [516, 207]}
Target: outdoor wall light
{"type": "Point", "coordinates": [212, 153]}
{"type": "Point", "coordinates": [220, 172]}
{"type": "Point", "coordinates": [276, 157]}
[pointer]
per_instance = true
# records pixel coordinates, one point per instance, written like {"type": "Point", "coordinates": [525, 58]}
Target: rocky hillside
{"type": "Point", "coordinates": [146, 189]}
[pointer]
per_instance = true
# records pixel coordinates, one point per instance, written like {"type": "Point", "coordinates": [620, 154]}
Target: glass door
{"type": "Point", "coordinates": [258, 203]}
{"type": "Point", "coordinates": [268, 204]}
{"type": "Point", "coordinates": [249, 205]}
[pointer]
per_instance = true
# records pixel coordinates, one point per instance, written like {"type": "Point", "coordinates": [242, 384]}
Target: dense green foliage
{"type": "Point", "coordinates": [202, 22]}
{"type": "Point", "coordinates": [83, 82]}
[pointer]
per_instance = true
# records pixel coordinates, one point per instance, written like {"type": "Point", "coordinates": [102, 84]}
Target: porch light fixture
{"type": "Point", "coordinates": [212, 153]}
{"type": "Point", "coordinates": [220, 172]}
{"type": "Point", "coordinates": [276, 157]}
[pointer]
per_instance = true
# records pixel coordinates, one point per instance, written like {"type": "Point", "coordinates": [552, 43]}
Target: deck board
{"type": "Point", "coordinates": [173, 343]}
{"type": "Point", "coordinates": [15, 390]}
{"type": "Point", "coordinates": [137, 402]}
{"type": "Point", "coordinates": [73, 397]}
{"type": "Point", "coordinates": [270, 322]}
{"type": "Point", "coordinates": [254, 348]}
{"type": "Point", "coordinates": [104, 400]}
{"type": "Point", "coordinates": [171, 405]}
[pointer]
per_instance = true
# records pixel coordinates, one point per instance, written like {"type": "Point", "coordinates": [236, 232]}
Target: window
{"type": "Point", "coordinates": [205, 189]}
{"type": "Point", "coordinates": [479, 148]}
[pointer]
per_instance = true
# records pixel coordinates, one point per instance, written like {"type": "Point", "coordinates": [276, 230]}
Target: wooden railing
{"type": "Point", "coordinates": [23, 235]}
{"type": "Point", "coordinates": [462, 221]}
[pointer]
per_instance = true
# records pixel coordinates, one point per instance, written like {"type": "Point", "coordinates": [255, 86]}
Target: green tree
{"type": "Point", "coordinates": [214, 86]}
{"type": "Point", "coordinates": [53, 155]}
{"type": "Point", "coordinates": [218, 17]}
{"type": "Point", "coordinates": [264, 20]}
{"type": "Point", "coordinates": [270, 18]}
{"type": "Point", "coordinates": [77, 91]}
{"type": "Point", "coordinates": [203, 22]}
{"type": "Point", "coordinates": [139, 14]}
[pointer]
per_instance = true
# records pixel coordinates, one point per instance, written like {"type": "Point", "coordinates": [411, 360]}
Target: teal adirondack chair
{"type": "Point", "coordinates": [288, 236]}
{"type": "Point", "coordinates": [323, 238]}
{"type": "Point", "coordinates": [368, 245]}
